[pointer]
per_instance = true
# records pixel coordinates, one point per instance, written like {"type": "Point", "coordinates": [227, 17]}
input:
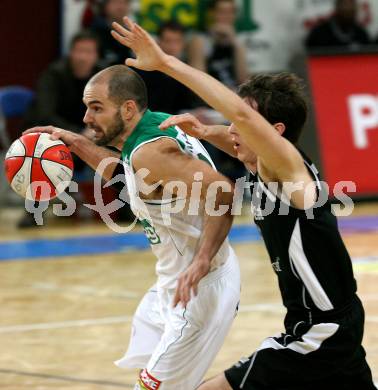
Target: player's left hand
{"type": "Point", "coordinates": [188, 281]}
{"type": "Point", "coordinates": [149, 56]}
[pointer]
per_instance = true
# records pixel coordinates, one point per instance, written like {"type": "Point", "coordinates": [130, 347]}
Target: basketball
{"type": "Point", "coordinates": [38, 168]}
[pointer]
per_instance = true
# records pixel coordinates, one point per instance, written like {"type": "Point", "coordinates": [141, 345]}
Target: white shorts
{"type": "Point", "coordinates": [176, 346]}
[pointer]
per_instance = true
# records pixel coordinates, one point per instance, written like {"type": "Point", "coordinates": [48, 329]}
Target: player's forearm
{"type": "Point", "coordinates": [215, 231]}
{"type": "Point", "coordinates": [93, 155]}
{"type": "Point", "coordinates": [215, 228]}
{"type": "Point", "coordinates": [219, 137]}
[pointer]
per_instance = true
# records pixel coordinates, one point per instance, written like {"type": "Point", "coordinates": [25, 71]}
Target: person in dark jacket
{"type": "Point", "coordinates": [59, 90]}
{"type": "Point", "coordinates": [342, 29]}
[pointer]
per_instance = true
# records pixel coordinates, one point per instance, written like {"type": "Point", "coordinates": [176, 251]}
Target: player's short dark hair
{"type": "Point", "coordinates": [279, 98]}
{"type": "Point", "coordinates": [171, 25]}
{"type": "Point", "coordinates": [125, 84]}
{"type": "Point", "coordinates": [84, 35]}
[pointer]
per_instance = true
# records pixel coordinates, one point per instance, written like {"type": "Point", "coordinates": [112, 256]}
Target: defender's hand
{"type": "Point", "coordinates": [148, 53]}
{"type": "Point", "coordinates": [186, 122]}
{"type": "Point", "coordinates": [188, 281]}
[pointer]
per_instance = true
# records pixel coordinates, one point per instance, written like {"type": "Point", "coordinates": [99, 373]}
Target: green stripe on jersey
{"type": "Point", "coordinates": [147, 129]}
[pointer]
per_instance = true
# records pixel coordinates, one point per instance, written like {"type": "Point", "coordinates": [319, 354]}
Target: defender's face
{"type": "Point", "coordinates": [103, 116]}
{"type": "Point", "coordinates": [243, 152]}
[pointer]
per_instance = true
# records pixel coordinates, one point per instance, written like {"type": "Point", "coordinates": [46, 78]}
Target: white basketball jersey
{"type": "Point", "coordinates": [172, 227]}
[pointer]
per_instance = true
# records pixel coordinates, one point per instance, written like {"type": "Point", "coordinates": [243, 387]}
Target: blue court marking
{"type": "Point", "coordinates": [118, 243]}
{"type": "Point", "coordinates": [87, 245]}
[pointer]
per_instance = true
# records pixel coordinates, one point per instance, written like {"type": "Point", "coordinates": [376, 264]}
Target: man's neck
{"type": "Point", "coordinates": [129, 128]}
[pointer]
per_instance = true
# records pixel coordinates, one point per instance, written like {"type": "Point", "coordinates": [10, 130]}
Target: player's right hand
{"type": "Point", "coordinates": [186, 122]}
{"type": "Point", "coordinates": [149, 55]}
{"type": "Point", "coordinates": [68, 137]}
{"type": "Point", "coordinates": [187, 283]}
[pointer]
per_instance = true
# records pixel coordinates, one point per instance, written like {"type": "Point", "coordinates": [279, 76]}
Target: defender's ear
{"type": "Point", "coordinates": [280, 127]}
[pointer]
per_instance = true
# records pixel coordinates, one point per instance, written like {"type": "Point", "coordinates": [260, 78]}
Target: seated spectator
{"type": "Point", "coordinates": [112, 52]}
{"type": "Point", "coordinates": [164, 93]}
{"type": "Point", "coordinates": [341, 30]}
{"type": "Point", "coordinates": [59, 91]}
{"type": "Point", "coordinates": [218, 52]}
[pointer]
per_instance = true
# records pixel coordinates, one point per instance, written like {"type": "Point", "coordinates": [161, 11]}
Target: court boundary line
{"type": "Point", "coordinates": [64, 324]}
{"type": "Point", "coordinates": [65, 378]}
{"type": "Point", "coordinates": [272, 308]}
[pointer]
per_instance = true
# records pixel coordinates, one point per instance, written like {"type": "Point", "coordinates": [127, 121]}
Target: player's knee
{"type": "Point", "coordinates": [218, 383]}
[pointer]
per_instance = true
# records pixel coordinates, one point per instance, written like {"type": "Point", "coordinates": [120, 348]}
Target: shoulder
{"type": "Point", "coordinates": [147, 131]}
{"type": "Point", "coordinates": [154, 153]}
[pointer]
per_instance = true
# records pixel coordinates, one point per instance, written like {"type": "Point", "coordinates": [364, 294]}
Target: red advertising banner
{"type": "Point", "coordinates": [345, 96]}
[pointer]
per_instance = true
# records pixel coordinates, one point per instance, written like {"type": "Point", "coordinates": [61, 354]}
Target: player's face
{"type": "Point", "coordinates": [103, 116]}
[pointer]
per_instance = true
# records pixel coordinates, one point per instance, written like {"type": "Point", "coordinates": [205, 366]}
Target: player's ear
{"type": "Point", "coordinates": [280, 127]}
{"type": "Point", "coordinates": [129, 109]}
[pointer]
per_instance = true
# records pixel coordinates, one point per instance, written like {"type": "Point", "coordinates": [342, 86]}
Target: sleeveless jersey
{"type": "Point", "coordinates": [308, 255]}
{"type": "Point", "coordinates": [173, 236]}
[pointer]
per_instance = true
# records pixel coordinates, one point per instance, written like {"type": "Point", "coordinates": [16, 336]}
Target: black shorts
{"type": "Point", "coordinates": [321, 355]}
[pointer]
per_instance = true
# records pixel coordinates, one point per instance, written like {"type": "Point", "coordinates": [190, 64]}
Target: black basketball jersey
{"type": "Point", "coordinates": [306, 250]}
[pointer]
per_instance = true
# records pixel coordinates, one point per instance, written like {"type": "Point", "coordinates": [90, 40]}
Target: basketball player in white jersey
{"type": "Point", "coordinates": [173, 344]}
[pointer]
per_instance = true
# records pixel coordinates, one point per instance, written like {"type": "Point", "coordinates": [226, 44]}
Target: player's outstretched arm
{"type": "Point", "coordinates": [84, 148]}
{"type": "Point", "coordinates": [166, 164]}
{"type": "Point", "coordinates": [279, 157]}
{"type": "Point", "coordinates": [216, 135]}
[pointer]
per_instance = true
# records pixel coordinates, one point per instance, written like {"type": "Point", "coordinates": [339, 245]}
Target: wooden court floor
{"type": "Point", "coordinates": [65, 320]}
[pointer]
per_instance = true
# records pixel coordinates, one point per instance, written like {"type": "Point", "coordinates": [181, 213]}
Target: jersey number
{"type": "Point", "coordinates": [150, 232]}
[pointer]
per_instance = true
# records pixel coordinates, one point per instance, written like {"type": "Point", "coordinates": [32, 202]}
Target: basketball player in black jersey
{"type": "Point", "coordinates": [321, 347]}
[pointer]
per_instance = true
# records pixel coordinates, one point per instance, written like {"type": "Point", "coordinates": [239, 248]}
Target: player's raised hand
{"type": "Point", "coordinates": [187, 284]}
{"type": "Point", "coordinates": [186, 122]}
{"type": "Point", "coordinates": [149, 56]}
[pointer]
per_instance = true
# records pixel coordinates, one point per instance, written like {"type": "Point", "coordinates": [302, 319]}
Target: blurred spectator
{"type": "Point", "coordinates": [112, 52]}
{"type": "Point", "coordinates": [59, 90]}
{"type": "Point", "coordinates": [219, 52]}
{"type": "Point", "coordinates": [342, 29]}
{"type": "Point", "coordinates": [59, 93]}
{"type": "Point", "coordinates": [164, 93]}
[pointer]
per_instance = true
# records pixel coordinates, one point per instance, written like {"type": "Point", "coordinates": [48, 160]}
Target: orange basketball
{"type": "Point", "coordinates": [37, 167]}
